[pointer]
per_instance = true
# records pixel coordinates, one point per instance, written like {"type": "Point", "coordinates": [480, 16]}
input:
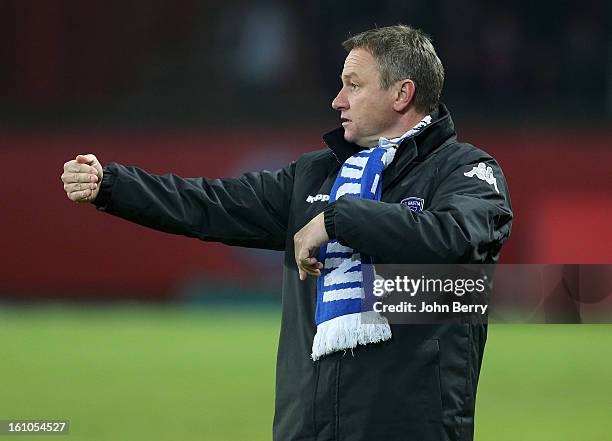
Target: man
{"type": "Point", "coordinates": [441, 201]}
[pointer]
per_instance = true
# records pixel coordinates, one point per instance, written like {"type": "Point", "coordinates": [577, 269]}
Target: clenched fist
{"type": "Point", "coordinates": [82, 177]}
{"type": "Point", "coordinates": [306, 243]}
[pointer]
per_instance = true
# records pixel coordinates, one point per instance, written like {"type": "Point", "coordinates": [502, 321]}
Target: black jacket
{"type": "Point", "coordinates": [420, 385]}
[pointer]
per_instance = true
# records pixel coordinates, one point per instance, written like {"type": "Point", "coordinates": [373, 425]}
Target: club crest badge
{"type": "Point", "coordinates": [415, 204]}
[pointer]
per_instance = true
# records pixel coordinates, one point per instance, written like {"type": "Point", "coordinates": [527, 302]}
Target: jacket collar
{"type": "Point", "coordinates": [441, 130]}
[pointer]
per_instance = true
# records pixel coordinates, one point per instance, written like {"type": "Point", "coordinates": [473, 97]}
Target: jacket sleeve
{"type": "Point", "coordinates": [467, 221]}
{"type": "Point", "coordinates": [251, 210]}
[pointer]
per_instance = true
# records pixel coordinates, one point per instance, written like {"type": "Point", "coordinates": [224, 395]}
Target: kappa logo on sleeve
{"type": "Point", "coordinates": [415, 204]}
{"type": "Point", "coordinates": [483, 173]}
{"type": "Point", "coordinates": [318, 198]}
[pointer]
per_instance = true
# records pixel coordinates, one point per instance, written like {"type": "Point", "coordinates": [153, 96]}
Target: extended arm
{"type": "Point", "coordinates": [251, 210]}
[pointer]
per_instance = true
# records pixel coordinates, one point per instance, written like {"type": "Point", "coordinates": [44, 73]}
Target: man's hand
{"type": "Point", "coordinates": [306, 242]}
{"type": "Point", "coordinates": [81, 178]}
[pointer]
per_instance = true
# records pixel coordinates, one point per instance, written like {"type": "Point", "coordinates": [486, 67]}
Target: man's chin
{"type": "Point", "coordinates": [350, 137]}
{"type": "Point", "coordinates": [361, 142]}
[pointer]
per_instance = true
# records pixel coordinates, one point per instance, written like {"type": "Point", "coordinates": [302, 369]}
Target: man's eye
{"type": "Point", "coordinates": [354, 86]}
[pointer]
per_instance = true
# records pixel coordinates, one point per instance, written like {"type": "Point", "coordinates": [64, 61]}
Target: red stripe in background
{"type": "Point", "coordinates": [560, 195]}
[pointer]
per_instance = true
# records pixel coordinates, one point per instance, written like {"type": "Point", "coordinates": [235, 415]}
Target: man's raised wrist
{"type": "Point", "coordinates": [103, 199]}
{"type": "Point", "coordinates": [329, 218]}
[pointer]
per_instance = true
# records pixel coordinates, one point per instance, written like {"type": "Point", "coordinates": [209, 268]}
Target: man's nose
{"type": "Point", "coordinates": [340, 102]}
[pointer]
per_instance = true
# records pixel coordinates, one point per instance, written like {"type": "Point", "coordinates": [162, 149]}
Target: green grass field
{"type": "Point", "coordinates": [144, 373]}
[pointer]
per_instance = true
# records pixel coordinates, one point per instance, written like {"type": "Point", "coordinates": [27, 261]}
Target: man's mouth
{"type": "Point", "coordinates": [344, 120]}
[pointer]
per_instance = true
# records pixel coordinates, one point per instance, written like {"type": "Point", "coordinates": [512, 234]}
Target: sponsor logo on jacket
{"type": "Point", "coordinates": [483, 173]}
{"type": "Point", "coordinates": [317, 198]}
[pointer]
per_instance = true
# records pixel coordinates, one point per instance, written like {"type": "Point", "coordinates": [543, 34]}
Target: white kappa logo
{"type": "Point", "coordinates": [317, 198]}
{"type": "Point", "coordinates": [483, 173]}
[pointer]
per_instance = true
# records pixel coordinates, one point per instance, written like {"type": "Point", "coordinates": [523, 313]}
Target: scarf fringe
{"type": "Point", "coordinates": [348, 331]}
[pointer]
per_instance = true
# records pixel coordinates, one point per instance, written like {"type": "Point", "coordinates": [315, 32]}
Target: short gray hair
{"type": "Point", "coordinates": [403, 53]}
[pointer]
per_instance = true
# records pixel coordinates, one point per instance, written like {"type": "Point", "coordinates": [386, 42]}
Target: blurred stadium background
{"type": "Point", "coordinates": [132, 334]}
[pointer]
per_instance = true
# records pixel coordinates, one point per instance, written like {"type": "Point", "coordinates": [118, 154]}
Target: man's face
{"type": "Point", "coordinates": [366, 109]}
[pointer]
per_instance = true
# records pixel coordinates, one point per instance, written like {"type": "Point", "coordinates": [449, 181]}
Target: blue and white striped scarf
{"type": "Point", "coordinates": [344, 314]}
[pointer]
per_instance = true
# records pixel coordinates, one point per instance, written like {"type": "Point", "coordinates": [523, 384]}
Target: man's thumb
{"type": "Point", "coordinates": [85, 159]}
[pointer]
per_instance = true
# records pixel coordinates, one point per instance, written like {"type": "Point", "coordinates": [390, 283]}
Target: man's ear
{"type": "Point", "coordinates": [405, 94]}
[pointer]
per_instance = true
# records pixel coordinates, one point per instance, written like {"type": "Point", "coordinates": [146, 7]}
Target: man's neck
{"type": "Point", "coordinates": [406, 125]}
{"type": "Point", "coordinates": [410, 120]}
